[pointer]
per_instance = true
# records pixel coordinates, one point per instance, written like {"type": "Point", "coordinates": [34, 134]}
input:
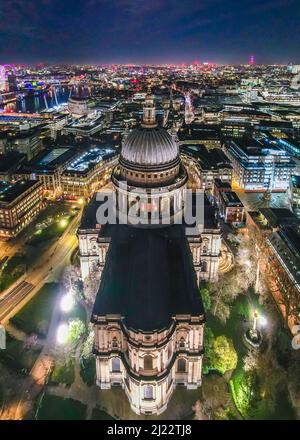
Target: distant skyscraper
{"type": "Point", "coordinates": [252, 60]}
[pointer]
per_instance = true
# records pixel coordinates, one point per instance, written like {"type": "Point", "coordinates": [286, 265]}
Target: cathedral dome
{"type": "Point", "coordinates": [150, 155]}
{"type": "Point", "coordinates": [149, 147]}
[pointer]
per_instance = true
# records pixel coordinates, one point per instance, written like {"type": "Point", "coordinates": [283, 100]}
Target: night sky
{"type": "Point", "coordinates": [141, 31]}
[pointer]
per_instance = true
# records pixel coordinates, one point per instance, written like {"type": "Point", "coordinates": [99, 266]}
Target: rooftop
{"type": "Point", "coordinates": [86, 122]}
{"type": "Point", "coordinates": [231, 199]}
{"type": "Point", "coordinates": [148, 278]}
{"type": "Point", "coordinates": [10, 160]}
{"type": "Point", "coordinates": [259, 146]}
{"type": "Point", "coordinates": [208, 159]}
{"type": "Point", "coordinates": [51, 159]}
{"type": "Point", "coordinates": [87, 159]}
{"type": "Point", "coordinates": [279, 217]}
{"type": "Point", "coordinates": [222, 185]}
{"type": "Point", "coordinates": [11, 191]}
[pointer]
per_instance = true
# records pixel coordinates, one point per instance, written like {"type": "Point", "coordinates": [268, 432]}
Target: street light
{"type": "Point", "coordinates": [263, 321]}
{"type": "Point", "coordinates": [62, 334]}
{"type": "Point", "coordinates": [63, 222]}
{"type": "Point", "coordinates": [67, 302]}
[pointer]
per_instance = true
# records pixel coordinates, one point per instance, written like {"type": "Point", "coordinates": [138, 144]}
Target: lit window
{"type": "Point", "coordinates": [148, 392]}
{"type": "Point", "coordinates": [115, 364]}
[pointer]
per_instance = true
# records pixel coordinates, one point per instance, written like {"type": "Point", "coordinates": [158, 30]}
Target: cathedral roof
{"type": "Point", "coordinates": [148, 278]}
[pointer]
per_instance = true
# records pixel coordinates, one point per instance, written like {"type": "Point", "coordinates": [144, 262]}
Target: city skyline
{"type": "Point", "coordinates": [149, 212]}
{"type": "Point", "coordinates": [126, 31]}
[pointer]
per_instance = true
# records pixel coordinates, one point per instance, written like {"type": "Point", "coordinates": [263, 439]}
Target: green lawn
{"type": "Point", "coordinates": [233, 329]}
{"type": "Point", "coordinates": [51, 223]}
{"type": "Point", "coordinates": [11, 270]}
{"type": "Point", "coordinates": [35, 316]}
{"type": "Point", "coordinates": [51, 232]}
{"type": "Point", "coordinates": [16, 356]}
{"type": "Point", "coordinates": [57, 408]}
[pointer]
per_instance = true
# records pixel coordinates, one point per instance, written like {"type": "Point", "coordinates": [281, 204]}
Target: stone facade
{"type": "Point", "coordinates": [205, 248]}
{"type": "Point", "coordinates": [149, 366]}
{"type": "Point", "coordinates": [148, 315]}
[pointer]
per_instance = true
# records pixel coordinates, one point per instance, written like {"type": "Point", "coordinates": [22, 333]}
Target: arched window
{"type": "Point", "coordinates": [114, 342]}
{"type": "Point", "coordinates": [148, 363]}
{"type": "Point", "coordinates": [148, 392]}
{"type": "Point", "coordinates": [115, 364]}
{"type": "Point", "coordinates": [182, 342]}
{"type": "Point", "coordinates": [181, 365]}
{"type": "Point", "coordinates": [204, 266]}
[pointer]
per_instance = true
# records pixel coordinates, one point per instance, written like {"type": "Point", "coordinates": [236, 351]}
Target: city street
{"type": "Point", "coordinates": [50, 264]}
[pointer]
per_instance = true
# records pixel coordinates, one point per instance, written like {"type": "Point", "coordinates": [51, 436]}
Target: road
{"type": "Point", "coordinates": [53, 260]}
{"type": "Point", "coordinates": [14, 297]}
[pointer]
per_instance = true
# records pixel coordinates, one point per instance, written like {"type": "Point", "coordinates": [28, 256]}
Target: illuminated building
{"type": "Point", "coordinates": [292, 146]}
{"type": "Point", "coordinates": [78, 106]}
{"type": "Point", "coordinates": [204, 134]}
{"type": "Point", "coordinates": [20, 202]}
{"type": "Point", "coordinates": [295, 194]}
{"type": "Point", "coordinates": [231, 208]}
{"type": "Point", "coordinates": [85, 126]}
{"type": "Point", "coordinates": [25, 141]}
{"type": "Point", "coordinates": [278, 240]}
{"type": "Point", "coordinates": [47, 168]}
{"type": "Point", "coordinates": [148, 316]}
{"type": "Point", "coordinates": [87, 172]}
{"type": "Point", "coordinates": [235, 128]}
{"type": "Point", "coordinates": [206, 165]}
{"type": "Point", "coordinates": [257, 167]}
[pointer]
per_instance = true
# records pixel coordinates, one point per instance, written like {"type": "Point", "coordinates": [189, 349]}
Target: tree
{"type": "Point", "coordinates": [223, 293]}
{"type": "Point", "coordinates": [224, 356]}
{"type": "Point", "coordinates": [78, 288]}
{"type": "Point", "coordinates": [76, 330]}
{"type": "Point", "coordinates": [87, 345]}
{"type": "Point", "coordinates": [204, 292]}
{"type": "Point", "coordinates": [208, 353]}
{"type": "Point", "coordinates": [246, 392]}
{"type": "Point", "coordinates": [91, 286]}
